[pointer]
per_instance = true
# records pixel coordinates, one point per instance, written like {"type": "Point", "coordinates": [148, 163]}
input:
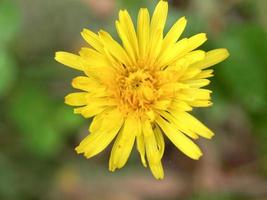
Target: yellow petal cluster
{"type": "Point", "coordinates": [142, 88]}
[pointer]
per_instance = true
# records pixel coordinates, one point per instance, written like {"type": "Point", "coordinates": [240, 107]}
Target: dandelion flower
{"type": "Point", "coordinates": [142, 89]}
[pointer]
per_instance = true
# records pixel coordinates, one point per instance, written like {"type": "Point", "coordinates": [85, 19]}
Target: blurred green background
{"type": "Point", "coordinates": [38, 132]}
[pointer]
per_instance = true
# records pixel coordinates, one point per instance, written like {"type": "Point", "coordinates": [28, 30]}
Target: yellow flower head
{"type": "Point", "coordinates": [142, 89]}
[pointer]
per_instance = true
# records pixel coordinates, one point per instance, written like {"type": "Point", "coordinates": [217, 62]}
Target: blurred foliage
{"type": "Point", "coordinates": [46, 121]}
{"type": "Point", "coordinates": [38, 132]}
{"type": "Point", "coordinates": [9, 21]}
{"type": "Point", "coordinates": [245, 75]}
{"type": "Point", "coordinates": [8, 72]}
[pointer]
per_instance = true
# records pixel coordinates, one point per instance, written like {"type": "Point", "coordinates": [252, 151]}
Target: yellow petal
{"type": "Point", "coordinates": [91, 109]}
{"type": "Point", "coordinates": [97, 65]}
{"type": "Point", "coordinates": [178, 65]}
{"type": "Point", "coordinates": [179, 105]}
{"type": "Point", "coordinates": [90, 53]}
{"type": "Point", "coordinates": [179, 97]}
{"type": "Point", "coordinates": [180, 140]}
{"type": "Point", "coordinates": [141, 148]}
{"type": "Point", "coordinates": [152, 151]}
{"type": "Point", "coordinates": [143, 31]}
{"type": "Point", "coordinates": [158, 19]}
{"type": "Point", "coordinates": [175, 32]}
{"type": "Point", "coordinates": [101, 74]}
{"type": "Point", "coordinates": [201, 103]}
{"type": "Point", "coordinates": [213, 57]}
{"type": "Point", "coordinates": [114, 63]}
{"type": "Point", "coordinates": [124, 143]}
{"type": "Point", "coordinates": [103, 122]}
{"type": "Point", "coordinates": [197, 94]}
{"type": "Point", "coordinates": [76, 99]}
{"type": "Point", "coordinates": [197, 83]}
{"type": "Point", "coordinates": [97, 141]}
{"type": "Point", "coordinates": [114, 48]}
{"type": "Point", "coordinates": [160, 140]}
{"type": "Point", "coordinates": [204, 74]}
{"type": "Point", "coordinates": [162, 104]}
{"type": "Point", "coordinates": [190, 73]}
{"type": "Point", "coordinates": [196, 41]}
{"type": "Point", "coordinates": [127, 34]}
{"type": "Point", "coordinates": [155, 47]}
{"type": "Point", "coordinates": [177, 123]}
{"type": "Point", "coordinates": [173, 53]}
{"type": "Point", "coordinates": [96, 123]}
{"type": "Point", "coordinates": [85, 83]}
{"type": "Point", "coordinates": [105, 126]}
{"type": "Point", "coordinates": [69, 59]}
{"type": "Point", "coordinates": [92, 58]}
{"type": "Point", "coordinates": [195, 56]}
{"type": "Point", "coordinates": [182, 48]}
{"type": "Point", "coordinates": [157, 25]}
{"type": "Point", "coordinates": [150, 114]}
{"type": "Point", "coordinates": [157, 170]}
{"type": "Point", "coordinates": [92, 39]}
{"type": "Point", "coordinates": [193, 124]}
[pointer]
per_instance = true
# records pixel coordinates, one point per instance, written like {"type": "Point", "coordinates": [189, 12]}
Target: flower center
{"type": "Point", "coordinates": [137, 80]}
{"type": "Point", "coordinates": [136, 90]}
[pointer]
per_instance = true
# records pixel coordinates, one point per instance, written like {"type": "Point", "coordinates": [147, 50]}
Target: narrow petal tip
{"type": "Point", "coordinates": [183, 18]}
{"type": "Point", "coordinates": [225, 52]}
{"type": "Point", "coordinates": [204, 35]}
{"type": "Point", "coordinates": [197, 156]}
{"type": "Point", "coordinates": [78, 150]}
{"type": "Point", "coordinates": [58, 55]}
